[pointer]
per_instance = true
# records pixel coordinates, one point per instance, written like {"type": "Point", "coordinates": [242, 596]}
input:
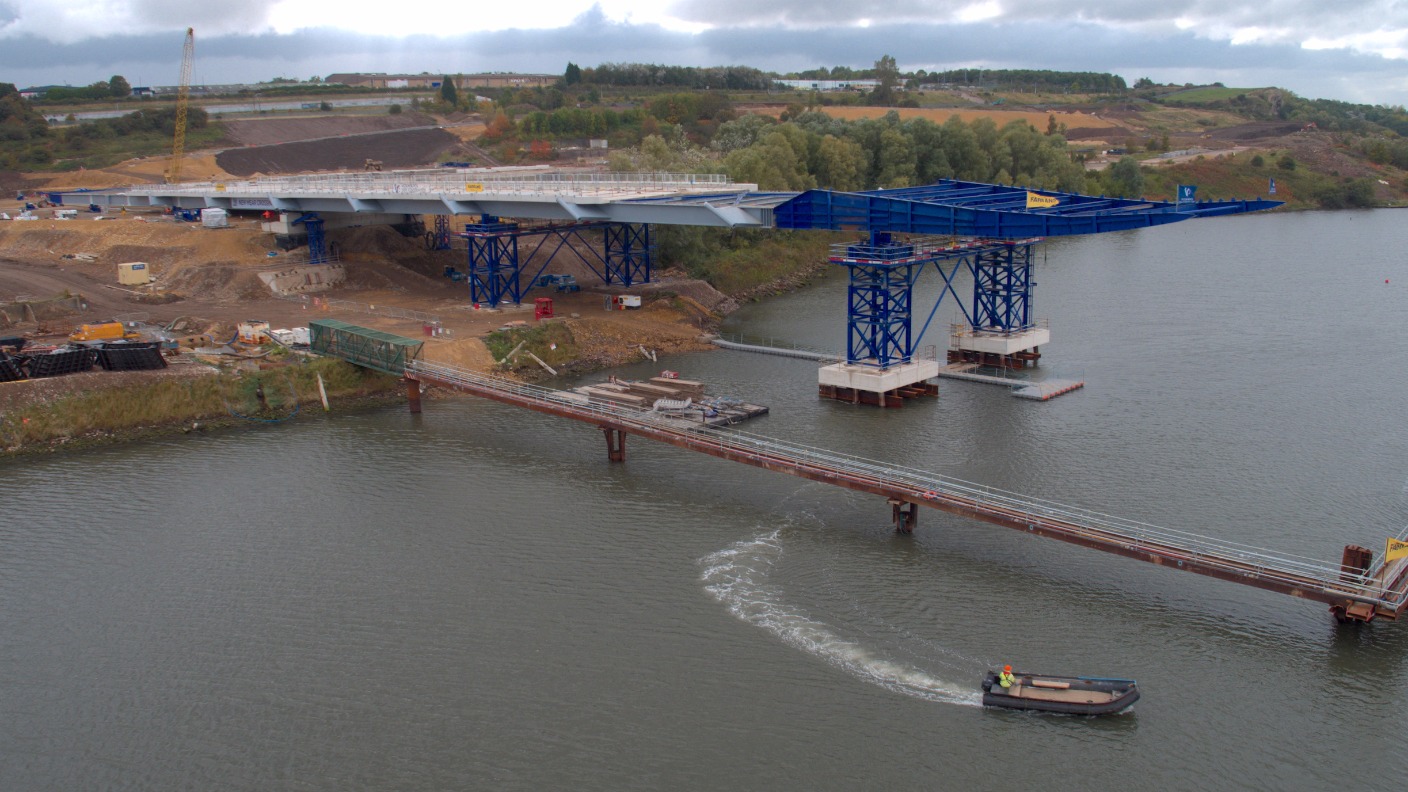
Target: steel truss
{"type": "Point", "coordinates": [317, 239]}
{"type": "Point", "coordinates": [880, 297]}
{"type": "Point", "coordinates": [495, 264]}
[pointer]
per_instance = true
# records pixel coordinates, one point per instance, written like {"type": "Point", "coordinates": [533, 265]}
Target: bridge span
{"type": "Point", "coordinates": [1357, 590]}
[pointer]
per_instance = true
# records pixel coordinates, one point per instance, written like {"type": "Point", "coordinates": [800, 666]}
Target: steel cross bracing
{"type": "Point", "coordinates": [1382, 587]}
{"type": "Point", "coordinates": [1002, 285]}
{"type": "Point", "coordinates": [884, 269]}
{"type": "Point", "coordinates": [317, 240]}
{"type": "Point", "coordinates": [495, 262]}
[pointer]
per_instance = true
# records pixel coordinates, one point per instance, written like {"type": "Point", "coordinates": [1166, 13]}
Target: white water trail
{"type": "Point", "coordinates": [738, 576]}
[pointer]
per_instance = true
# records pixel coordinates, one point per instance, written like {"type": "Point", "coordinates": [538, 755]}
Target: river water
{"type": "Point", "coordinates": [474, 598]}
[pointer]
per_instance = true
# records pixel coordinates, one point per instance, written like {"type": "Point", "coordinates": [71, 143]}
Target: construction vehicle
{"type": "Point", "coordinates": [183, 100]}
{"type": "Point", "coordinates": [567, 283]}
{"type": "Point", "coordinates": [103, 331]}
{"type": "Point", "coordinates": [372, 165]}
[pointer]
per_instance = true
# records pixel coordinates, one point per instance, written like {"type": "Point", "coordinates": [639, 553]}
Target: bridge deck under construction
{"type": "Point", "coordinates": [1359, 592]}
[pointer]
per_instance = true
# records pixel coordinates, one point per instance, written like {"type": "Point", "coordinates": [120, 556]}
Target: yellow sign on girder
{"type": "Point", "coordinates": [1397, 548]}
{"type": "Point", "coordinates": [1039, 201]}
{"type": "Point", "coordinates": [473, 187]}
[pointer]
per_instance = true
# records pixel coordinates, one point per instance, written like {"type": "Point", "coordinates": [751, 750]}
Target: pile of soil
{"type": "Point", "coordinates": [406, 148]}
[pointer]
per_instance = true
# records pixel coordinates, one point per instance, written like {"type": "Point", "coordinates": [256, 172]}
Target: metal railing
{"type": "Point", "coordinates": [1232, 557]}
{"type": "Point", "coordinates": [441, 182]}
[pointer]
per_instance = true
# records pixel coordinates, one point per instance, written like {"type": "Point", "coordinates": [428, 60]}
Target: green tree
{"type": "Point", "coordinates": [772, 164]}
{"type": "Point", "coordinates": [841, 164]}
{"type": "Point", "coordinates": [448, 94]}
{"type": "Point", "coordinates": [887, 73]}
{"type": "Point", "coordinates": [894, 162]}
{"type": "Point", "coordinates": [119, 87]}
{"type": "Point", "coordinates": [573, 75]}
{"type": "Point", "coordinates": [1286, 162]}
{"type": "Point", "coordinates": [1124, 178]}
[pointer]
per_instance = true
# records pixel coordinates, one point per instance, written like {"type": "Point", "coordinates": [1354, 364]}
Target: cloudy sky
{"type": "Point", "coordinates": [1353, 50]}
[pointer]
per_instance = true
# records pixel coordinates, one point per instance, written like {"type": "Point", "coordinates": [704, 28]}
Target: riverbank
{"type": "Point", "coordinates": [102, 408]}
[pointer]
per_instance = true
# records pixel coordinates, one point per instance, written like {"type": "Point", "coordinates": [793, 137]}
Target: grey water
{"type": "Point", "coordinates": [474, 598]}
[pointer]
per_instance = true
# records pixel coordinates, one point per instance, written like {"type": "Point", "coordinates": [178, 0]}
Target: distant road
{"type": "Point", "coordinates": [243, 107]}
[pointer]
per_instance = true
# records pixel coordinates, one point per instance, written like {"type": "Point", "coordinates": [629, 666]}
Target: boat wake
{"type": "Point", "coordinates": [738, 577]}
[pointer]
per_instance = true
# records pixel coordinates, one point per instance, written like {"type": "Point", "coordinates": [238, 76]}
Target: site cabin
{"type": "Point", "coordinates": [134, 273]}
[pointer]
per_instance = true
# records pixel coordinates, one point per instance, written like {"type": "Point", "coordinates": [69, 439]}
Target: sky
{"type": "Point", "coordinates": [1351, 50]}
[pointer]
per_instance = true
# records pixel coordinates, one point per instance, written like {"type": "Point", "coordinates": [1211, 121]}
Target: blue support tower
{"type": "Point", "coordinates": [493, 262]}
{"type": "Point", "coordinates": [628, 254]}
{"type": "Point", "coordinates": [1002, 288]}
{"type": "Point", "coordinates": [440, 237]}
{"type": "Point", "coordinates": [879, 301]}
{"type": "Point", "coordinates": [317, 242]}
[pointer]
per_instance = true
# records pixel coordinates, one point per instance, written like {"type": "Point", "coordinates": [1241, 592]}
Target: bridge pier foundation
{"type": "Point", "coordinates": [413, 396]}
{"type": "Point", "coordinates": [905, 515]}
{"type": "Point", "coordinates": [615, 444]}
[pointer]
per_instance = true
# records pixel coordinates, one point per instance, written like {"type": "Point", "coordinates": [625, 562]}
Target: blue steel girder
{"type": "Point", "coordinates": [628, 253]}
{"type": "Point", "coordinates": [989, 211]}
{"type": "Point", "coordinates": [1002, 286]}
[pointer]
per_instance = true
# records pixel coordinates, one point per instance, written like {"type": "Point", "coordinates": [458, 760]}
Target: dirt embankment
{"type": "Point", "coordinates": [407, 148]}
{"type": "Point", "coordinates": [273, 131]}
{"type": "Point", "coordinates": [212, 276]}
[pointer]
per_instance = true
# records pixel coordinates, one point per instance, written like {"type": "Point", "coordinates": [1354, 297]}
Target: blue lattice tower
{"type": "Point", "coordinates": [1002, 288]}
{"type": "Point", "coordinates": [878, 301]}
{"type": "Point", "coordinates": [441, 234]}
{"type": "Point", "coordinates": [628, 253]}
{"type": "Point", "coordinates": [493, 262]}
{"type": "Point", "coordinates": [317, 241]}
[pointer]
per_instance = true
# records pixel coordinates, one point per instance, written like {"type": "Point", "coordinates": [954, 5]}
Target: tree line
{"type": "Point", "coordinates": [815, 150]}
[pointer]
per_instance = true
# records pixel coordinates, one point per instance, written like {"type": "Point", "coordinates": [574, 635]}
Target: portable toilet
{"type": "Point", "coordinates": [134, 273]}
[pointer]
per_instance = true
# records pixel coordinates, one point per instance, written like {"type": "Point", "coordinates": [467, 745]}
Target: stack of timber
{"type": "Point", "coordinates": [673, 400]}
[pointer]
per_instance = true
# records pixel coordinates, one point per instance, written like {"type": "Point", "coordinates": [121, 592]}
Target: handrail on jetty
{"type": "Point", "coordinates": [1355, 593]}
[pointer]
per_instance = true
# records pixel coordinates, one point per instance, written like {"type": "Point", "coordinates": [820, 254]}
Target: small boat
{"type": "Point", "coordinates": [1068, 695]}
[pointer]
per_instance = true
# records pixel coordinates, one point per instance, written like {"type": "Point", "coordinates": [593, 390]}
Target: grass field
{"type": "Point", "coordinates": [1201, 95]}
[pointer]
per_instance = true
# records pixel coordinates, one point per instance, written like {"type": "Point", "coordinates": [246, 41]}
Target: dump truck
{"type": "Point", "coordinates": [103, 331]}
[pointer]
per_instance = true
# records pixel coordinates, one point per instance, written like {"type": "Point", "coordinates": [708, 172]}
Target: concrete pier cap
{"type": "Point", "coordinates": [870, 379]}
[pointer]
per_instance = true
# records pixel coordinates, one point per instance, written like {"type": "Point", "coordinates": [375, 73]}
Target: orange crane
{"type": "Point", "coordinates": [183, 98]}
